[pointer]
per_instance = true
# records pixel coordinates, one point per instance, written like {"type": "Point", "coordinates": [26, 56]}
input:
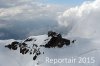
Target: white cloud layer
{"type": "Point", "coordinates": [85, 19]}
{"type": "Point", "coordinates": [28, 11]}
{"type": "Point", "coordinates": [27, 17]}
{"type": "Point", "coordinates": [30, 17]}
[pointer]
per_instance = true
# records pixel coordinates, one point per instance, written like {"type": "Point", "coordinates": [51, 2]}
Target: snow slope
{"type": "Point", "coordinates": [83, 47]}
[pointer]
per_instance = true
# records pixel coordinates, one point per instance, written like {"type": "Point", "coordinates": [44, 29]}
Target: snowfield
{"type": "Point", "coordinates": [85, 51]}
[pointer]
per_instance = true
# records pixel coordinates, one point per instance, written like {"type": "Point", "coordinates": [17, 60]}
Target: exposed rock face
{"type": "Point", "coordinates": [55, 41]}
{"type": "Point", "coordinates": [13, 45]}
{"type": "Point", "coordinates": [24, 48]}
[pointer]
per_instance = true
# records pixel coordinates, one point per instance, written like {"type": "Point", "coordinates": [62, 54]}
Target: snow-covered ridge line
{"type": "Point", "coordinates": [33, 44]}
{"type": "Point", "coordinates": [34, 47]}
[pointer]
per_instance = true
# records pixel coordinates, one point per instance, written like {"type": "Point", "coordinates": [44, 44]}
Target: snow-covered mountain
{"type": "Point", "coordinates": [34, 52]}
{"type": "Point", "coordinates": [32, 45]}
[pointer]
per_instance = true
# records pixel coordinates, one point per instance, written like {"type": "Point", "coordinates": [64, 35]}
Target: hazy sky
{"type": "Point", "coordinates": [65, 2]}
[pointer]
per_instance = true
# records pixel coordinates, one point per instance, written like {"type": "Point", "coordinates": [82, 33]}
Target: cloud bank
{"type": "Point", "coordinates": [23, 18]}
{"type": "Point", "coordinates": [85, 19]}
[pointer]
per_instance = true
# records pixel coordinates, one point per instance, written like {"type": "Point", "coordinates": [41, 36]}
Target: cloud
{"type": "Point", "coordinates": [85, 19]}
{"type": "Point", "coordinates": [30, 17]}
{"type": "Point", "coordinates": [28, 10]}
{"type": "Point", "coordinates": [24, 18]}
{"type": "Point", "coordinates": [11, 3]}
{"type": "Point", "coordinates": [9, 12]}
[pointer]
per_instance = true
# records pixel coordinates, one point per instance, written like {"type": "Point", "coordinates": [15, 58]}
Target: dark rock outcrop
{"type": "Point", "coordinates": [55, 41]}
{"type": "Point", "coordinates": [13, 45]}
{"type": "Point", "coordinates": [24, 48]}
